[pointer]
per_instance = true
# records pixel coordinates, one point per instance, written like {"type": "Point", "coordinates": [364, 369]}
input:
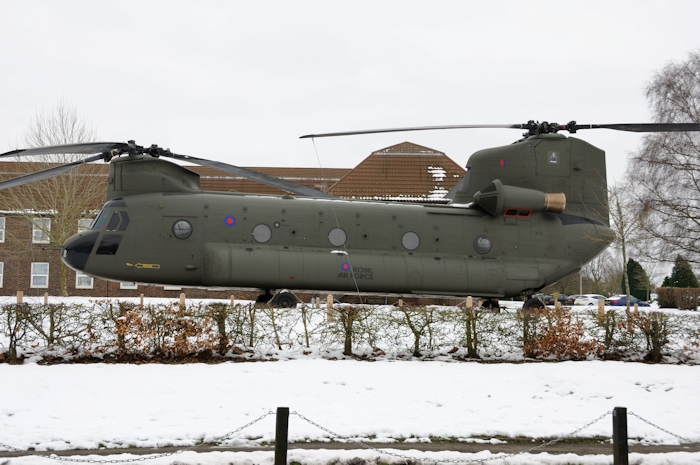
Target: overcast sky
{"type": "Point", "coordinates": [241, 81]}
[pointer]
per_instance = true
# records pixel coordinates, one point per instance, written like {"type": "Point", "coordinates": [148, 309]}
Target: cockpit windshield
{"type": "Point", "coordinates": [115, 212]}
{"type": "Point", "coordinates": [99, 220]}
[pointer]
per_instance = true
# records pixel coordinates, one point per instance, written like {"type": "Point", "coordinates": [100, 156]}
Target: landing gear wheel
{"type": "Point", "coordinates": [491, 304]}
{"type": "Point", "coordinates": [284, 300]}
{"type": "Point", "coordinates": [533, 304]}
{"type": "Point", "coordinates": [263, 298]}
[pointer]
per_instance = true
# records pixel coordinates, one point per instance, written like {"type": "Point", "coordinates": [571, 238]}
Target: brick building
{"type": "Point", "coordinates": [30, 263]}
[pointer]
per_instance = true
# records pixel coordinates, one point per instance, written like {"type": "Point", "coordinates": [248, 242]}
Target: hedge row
{"type": "Point", "coordinates": [685, 298]}
{"type": "Point", "coordinates": [124, 331]}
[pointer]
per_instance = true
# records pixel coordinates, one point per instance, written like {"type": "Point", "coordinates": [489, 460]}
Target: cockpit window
{"type": "Point", "coordinates": [109, 244]}
{"type": "Point", "coordinates": [119, 221]}
{"type": "Point", "coordinates": [113, 222]}
{"type": "Point", "coordinates": [125, 221]}
{"type": "Point", "coordinates": [100, 220]}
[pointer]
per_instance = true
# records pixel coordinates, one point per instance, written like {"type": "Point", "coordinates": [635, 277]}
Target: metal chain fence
{"type": "Point", "coordinates": [681, 438]}
{"type": "Point", "coordinates": [145, 457]}
{"type": "Point", "coordinates": [228, 435]}
{"type": "Point", "coordinates": [409, 458]}
{"type": "Point", "coordinates": [239, 429]}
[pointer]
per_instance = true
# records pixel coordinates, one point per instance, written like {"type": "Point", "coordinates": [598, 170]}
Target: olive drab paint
{"type": "Point", "coordinates": [525, 215]}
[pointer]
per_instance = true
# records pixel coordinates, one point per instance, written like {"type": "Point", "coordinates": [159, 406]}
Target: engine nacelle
{"type": "Point", "coordinates": [496, 198]}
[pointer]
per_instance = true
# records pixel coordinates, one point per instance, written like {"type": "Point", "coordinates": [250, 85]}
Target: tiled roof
{"type": "Point", "coordinates": [11, 169]}
{"type": "Point", "coordinates": [316, 178]}
{"type": "Point", "coordinates": [210, 178]}
{"type": "Point", "coordinates": [404, 171]}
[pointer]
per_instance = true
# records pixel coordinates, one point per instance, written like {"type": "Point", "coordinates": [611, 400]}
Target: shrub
{"type": "Point", "coordinates": [558, 334]}
{"type": "Point", "coordinates": [684, 298]}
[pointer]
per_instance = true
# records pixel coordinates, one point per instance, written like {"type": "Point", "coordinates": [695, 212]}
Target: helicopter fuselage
{"type": "Point", "coordinates": [525, 216]}
{"type": "Point", "coordinates": [215, 239]}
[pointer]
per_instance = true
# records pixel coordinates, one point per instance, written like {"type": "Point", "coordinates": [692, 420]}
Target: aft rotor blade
{"type": "Point", "coordinates": [644, 127]}
{"type": "Point", "coordinates": [254, 175]}
{"type": "Point", "coordinates": [81, 148]}
{"type": "Point", "coordinates": [47, 173]}
{"type": "Point", "coordinates": [418, 128]}
{"type": "Point", "coordinates": [532, 127]}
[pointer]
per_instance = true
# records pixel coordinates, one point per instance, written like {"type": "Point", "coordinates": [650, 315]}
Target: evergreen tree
{"type": "Point", "coordinates": [638, 280]}
{"type": "Point", "coordinates": [682, 275]}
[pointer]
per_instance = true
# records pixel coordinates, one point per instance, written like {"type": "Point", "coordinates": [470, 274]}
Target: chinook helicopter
{"type": "Point", "coordinates": [524, 216]}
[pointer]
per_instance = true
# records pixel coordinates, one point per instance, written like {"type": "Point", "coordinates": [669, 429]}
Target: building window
{"type": "Point", "coordinates": [2, 272]}
{"type": "Point", "coordinates": [83, 281]}
{"type": "Point", "coordinates": [172, 288]}
{"type": "Point", "coordinates": [40, 274]}
{"type": "Point", "coordinates": [2, 229]}
{"type": "Point", "coordinates": [84, 224]}
{"type": "Point", "coordinates": [40, 232]}
{"type": "Point", "coordinates": [124, 285]}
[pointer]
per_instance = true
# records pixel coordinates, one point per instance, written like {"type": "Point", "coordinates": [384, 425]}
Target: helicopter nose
{"type": "Point", "coordinates": [76, 250]}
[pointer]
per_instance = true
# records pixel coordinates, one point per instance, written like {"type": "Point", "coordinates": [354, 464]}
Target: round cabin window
{"type": "Point", "coordinates": [182, 229]}
{"type": "Point", "coordinates": [262, 233]}
{"type": "Point", "coordinates": [482, 244]}
{"type": "Point", "coordinates": [410, 240]}
{"type": "Point", "coordinates": [337, 237]}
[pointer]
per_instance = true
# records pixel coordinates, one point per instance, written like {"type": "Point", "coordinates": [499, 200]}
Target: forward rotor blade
{"type": "Point", "coordinates": [255, 176]}
{"type": "Point", "coordinates": [644, 127]}
{"type": "Point", "coordinates": [82, 148]}
{"type": "Point", "coordinates": [47, 173]}
{"type": "Point", "coordinates": [418, 128]}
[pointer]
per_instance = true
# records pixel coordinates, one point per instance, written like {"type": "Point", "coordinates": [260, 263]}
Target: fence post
{"type": "Point", "coordinates": [620, 449]}
{"type": "Point", "coordinates": [46, 298]}
{"type": "Point", "coordinates": [469, 303]}
{"type": "Point", "coordinates": [281, 435]}
{"type": "Point", "coordinates": [20, 296]}
{"type": "Point", "coordinates": [329, 308]}
{"type": "Point", "coordinates": [183, 298]}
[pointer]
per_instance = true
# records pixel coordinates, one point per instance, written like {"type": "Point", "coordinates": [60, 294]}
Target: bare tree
{"type": "Point", "coordinates": [666, 169]}
{"type": "Point", "coordinates": [602, 275]}
{"type": "Point", "coordinates": [62, 125]}
{"type": "Point", "coordinates": [54, 206]}
{"type": "Point", "coordinates": [625, 224]}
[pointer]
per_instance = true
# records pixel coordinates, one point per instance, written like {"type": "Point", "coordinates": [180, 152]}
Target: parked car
{"type": "Point", "coordinates": [548, 299]}
{"type": "Point", "coordinates": [589, 299]}
{"type": "Point", "coordinates": [621, 301]}
{"type": "Point", "coordinates": [571, 299]}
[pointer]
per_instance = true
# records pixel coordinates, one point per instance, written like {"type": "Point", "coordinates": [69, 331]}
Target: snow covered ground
{"type": "Point", "coordinates": [91, 406]}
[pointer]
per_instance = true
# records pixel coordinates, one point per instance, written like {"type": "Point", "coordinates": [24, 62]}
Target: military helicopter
{"type": "Point", "coordinates": [524, 216]}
